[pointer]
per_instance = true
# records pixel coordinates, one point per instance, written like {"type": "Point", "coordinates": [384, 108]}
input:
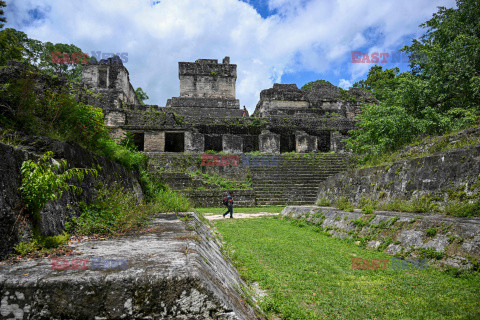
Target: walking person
{"type": "Point", "coordinates": [228, 202]}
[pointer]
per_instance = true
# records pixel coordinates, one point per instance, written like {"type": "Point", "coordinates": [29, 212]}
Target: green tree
{"type": "Point", "coordinates": [382, 83]}
{"type": "Point", "coordinates": [10, 46]}
{"type": "Point", "coordinates": [63, 59]}
{"type": "Point", "coordinates": [308, 86]}
{"type": "Point", "coordinates": [2, 18]}
{"type": "Point", "coordinates": [17, 46]}
{"type": "Point", "coordinates": [447, 56]}
{"type": "Point", "coordinates": [59, 58]}
{"type": "Point", "coordinates": [441, 93]}
{"type": "Point", "coordinates": [141, 95]}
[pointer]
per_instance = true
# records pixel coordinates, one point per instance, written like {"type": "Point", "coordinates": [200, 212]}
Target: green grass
{"type": "Point", "coordinates": [308, 275]}
{"type": "Point", "coordinates": [220, 210]}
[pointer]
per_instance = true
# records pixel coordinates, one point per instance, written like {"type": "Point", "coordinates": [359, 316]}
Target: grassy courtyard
{"type": "Point", "coordinates": [309, 275]}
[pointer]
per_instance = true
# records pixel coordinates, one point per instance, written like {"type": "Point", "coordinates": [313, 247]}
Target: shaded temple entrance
{"type": "Point", "coordinates": [174, 142]}
{"type": "Point", "coordinates": [287, 143]}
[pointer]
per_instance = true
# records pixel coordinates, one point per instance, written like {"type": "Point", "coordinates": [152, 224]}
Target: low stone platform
{"type": "Point", "coordinates": [173, 270]}
{"type": "Point", "coordinates": [447, 240]}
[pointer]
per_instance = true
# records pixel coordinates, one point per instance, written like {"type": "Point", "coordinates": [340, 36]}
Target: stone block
{"type": "Point", "coordinates": [115, 118]}
{"type": "Point", "coordinates": [232, 143]}
{"type": "Point", "coordinates": [305, 143]}
{"type": "Point", "coordinates": [269, 142]}
{"type": "Point", "coordinates": [154, 141]}
{"type": "Point", "coordinates": [206, 78]}
{"type": "Point", "coordinates": [194, 142]}
{"type": "Point", "coordinates": [336, 143]}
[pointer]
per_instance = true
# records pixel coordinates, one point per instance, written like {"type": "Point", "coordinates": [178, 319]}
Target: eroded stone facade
{"type": "Point", "coordinates": [110, 78]}
{"type": "Point", "coordinates": [207, 116]}
{"type": "Point", "coordinates": [207, 88]}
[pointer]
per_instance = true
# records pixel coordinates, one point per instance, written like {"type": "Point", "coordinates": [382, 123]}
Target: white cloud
{"type": "Point", "coordinates": [345, 84]}
{"type": "Point", "coordinates": [315, 35]}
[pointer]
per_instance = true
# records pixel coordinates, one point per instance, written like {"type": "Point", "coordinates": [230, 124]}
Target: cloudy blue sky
{"type": "Point", "coordinates": [285, 41]}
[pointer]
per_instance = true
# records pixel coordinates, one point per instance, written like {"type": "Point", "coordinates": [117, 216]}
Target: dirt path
{"type": "Point", "coordinates": [239, 215]}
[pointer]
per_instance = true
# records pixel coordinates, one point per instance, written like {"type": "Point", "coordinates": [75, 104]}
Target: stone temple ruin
{"type": "Point", "coordinates": [206, 118]}
{"type": "Point", "coordinates": [207, 88]}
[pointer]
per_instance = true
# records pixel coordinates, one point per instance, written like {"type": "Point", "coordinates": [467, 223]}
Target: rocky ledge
{"type": "Point", "coordinates": [445, 241]}
{"type": "Point", "coordinates": [172, 270]}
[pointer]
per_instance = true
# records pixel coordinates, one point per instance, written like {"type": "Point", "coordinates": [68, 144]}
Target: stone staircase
{"type": "Point", "coordinates": [296, 179]}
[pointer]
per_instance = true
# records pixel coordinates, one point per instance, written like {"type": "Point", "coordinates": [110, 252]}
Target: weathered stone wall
{"type": "Point", "coordinates": [111, 79]}
{"type": "Point", "coordinates": [232, 143]}
{"type": "Point", "coordinates": [55, 213]}
{"type": "Point", "coordinates": [453, 175]}
{"type": "Point", "coordinates": [321, 100]}
{"type": "Point", "coordinates": [405, 234]}
{"type": "Point", "coordinates": [153, 122]}
{"type": "Point", "coordinates": [154, 141]}
{"type": "Point", "coordinates": [206, 78]}
{"type": "Point", "coordinates": [115, 118]}
{"type": "Point", "coordinates": [305, 143]}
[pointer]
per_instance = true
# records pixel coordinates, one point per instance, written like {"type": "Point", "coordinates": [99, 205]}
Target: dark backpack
{"type": "Point", "coordinates": [225, 201]}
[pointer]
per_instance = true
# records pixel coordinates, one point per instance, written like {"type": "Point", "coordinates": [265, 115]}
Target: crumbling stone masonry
{"type": "Point", "coordinates": [207, 115]}
{"type": "Point", "coordinates": [110, 78]}
{"type": "Point", "coordinates": [207, 88]}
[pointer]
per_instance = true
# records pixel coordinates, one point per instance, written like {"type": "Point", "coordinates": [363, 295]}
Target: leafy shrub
{"type": "Point", "coordinates": [359, 222]}
{"type": "Point", "coordinates": [170, 201]}
{"type": "Point", "coordinates": [43, 182]}
{"type": "Point", "coordinates": [151, 185]}
{"type": "Point", "coordinates": [131, 160]}
{"type": "Point", "coordinates": [342, 203]}
{"type": "Point", "coordinates": [367, 205]}
{"type": "Point", "coordinates": [430, 253]}
{"type": "Point", "coordinates": [431, 232]}
{"type": "Point", "coordinates": [459, 209]}
{"type": "Point", "coordinates": [323, 202]}
{"type": "Point", "coordinates": [423, 204]}
{"type": "Point", "coordinates": [40, 243]}
{"type": "Point", "coordinates": [394, 205]}
{"type": "Point", "coordinates": [57, 113]}
{"type": "Point", "coordinates": [418, 205]}
{"type": "Point", "coordinates": [115, 210]}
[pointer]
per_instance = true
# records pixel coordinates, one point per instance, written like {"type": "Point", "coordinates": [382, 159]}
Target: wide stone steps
{"type": "Point", "coordinates": [295, 180]}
